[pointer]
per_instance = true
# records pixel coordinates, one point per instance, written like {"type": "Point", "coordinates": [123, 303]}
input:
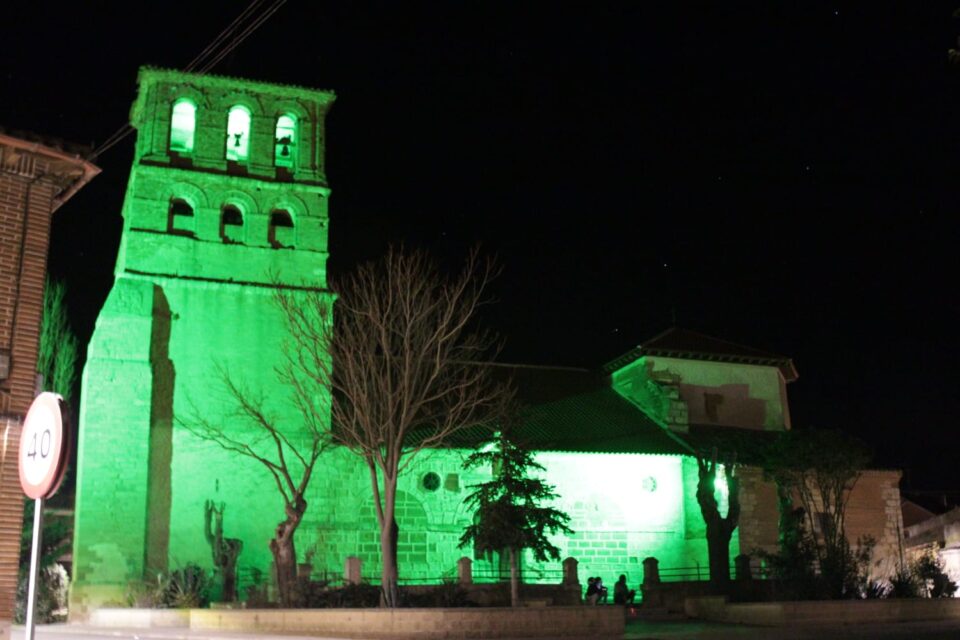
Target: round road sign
{"type": "Point", "coordinates": [43, 447]}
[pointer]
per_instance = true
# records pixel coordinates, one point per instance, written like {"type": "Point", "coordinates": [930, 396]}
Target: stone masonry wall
{"type": "Point", "coordinates": [191, 303]}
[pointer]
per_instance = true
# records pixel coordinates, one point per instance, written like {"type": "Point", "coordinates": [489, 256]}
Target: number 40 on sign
{"type": "Point", "coordinates": [43, 447]}
{"type": "Point", "coordinates": [44, 451]}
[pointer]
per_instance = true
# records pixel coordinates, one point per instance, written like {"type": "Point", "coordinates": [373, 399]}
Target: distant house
{"type": "Point", "coordinates": [937, 535]}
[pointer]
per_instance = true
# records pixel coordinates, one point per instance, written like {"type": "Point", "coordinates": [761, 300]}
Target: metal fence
{"type": "Point", "coordinates": [701, 572]}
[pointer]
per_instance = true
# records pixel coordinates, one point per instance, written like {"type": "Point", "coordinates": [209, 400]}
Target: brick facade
{"type": "Point", "coordinates": [35, 179]}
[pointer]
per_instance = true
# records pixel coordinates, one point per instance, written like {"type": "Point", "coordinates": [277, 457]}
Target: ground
{"type": "Point", "coordinates": [636, 630]}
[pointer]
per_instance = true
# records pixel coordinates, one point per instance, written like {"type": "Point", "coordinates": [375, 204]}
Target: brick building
{"type": "Point", "coordinates": [36, 178]}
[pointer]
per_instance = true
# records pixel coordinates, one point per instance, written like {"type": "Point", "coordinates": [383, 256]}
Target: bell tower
{"type": "Point", "coordinates": [227, 199]}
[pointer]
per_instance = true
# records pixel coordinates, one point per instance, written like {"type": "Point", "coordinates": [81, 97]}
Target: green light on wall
{"type": "Point", "coordinates": [721, 491]}
{"type": "Point", "coordinates": [286, 137]}
{"type": "Point", "coordinates": [183, 124]}
{"type": "Point", "coordinates": [238, 134]}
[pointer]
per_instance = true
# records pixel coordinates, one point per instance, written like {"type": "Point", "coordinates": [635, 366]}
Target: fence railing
{"type": "Point", "coordinates": [701, 572]}
{"type": "Point", "coordinates": [252, 578]}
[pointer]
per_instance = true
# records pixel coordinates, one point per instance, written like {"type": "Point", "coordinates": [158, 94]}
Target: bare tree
{"type": "Point", "coordinates": [288, 452]}
{"type": "Point", "coordinates": [405, 366]}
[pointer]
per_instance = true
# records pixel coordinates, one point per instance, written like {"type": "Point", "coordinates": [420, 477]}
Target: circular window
{"type": "Point", "coordinates": [431, 481]}
{"type": "Point", "coordinates": [649, 484]}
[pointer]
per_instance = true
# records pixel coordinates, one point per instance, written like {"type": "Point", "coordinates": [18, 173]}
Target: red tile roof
{"type": "Point", "coordinates": [693, 345]}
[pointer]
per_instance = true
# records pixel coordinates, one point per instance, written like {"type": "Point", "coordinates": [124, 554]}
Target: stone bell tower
{"type": "Point", "coordinates": [227, 198]}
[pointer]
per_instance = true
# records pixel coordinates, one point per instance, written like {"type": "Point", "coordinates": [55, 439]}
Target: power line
{"type": "Point", "coordinates": [243, 36]}
{"type": "Point", "coordinates": [223, 34]}
{"type": "Point", "coordinates": [228, 36]}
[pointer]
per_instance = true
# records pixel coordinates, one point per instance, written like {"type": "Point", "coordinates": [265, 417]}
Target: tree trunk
{"type": "Point", "coordinates": [719, 528]}
{"type": "Point", "coordinates": [230, 584]}
{"type": "Point", "coordinates": [389, 534]}
{"type": "Point", "coordinates": [718, 549]}
{"type": "Point", "coordinates": [285, 554]}
{"type": "Point", "coordinates": [389, 575]}
{"type": "Point", "coordinates": [514, 579]}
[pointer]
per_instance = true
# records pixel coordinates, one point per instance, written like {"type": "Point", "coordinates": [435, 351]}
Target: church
{"type": "Point", "coordinates": [227, 199]}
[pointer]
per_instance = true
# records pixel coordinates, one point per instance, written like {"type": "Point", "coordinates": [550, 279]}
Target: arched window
{"type": "Point", "coordinates": [180, 218]}
{"type": "Point", "coordinates": [286, 141]}
{"type": "Point", "coordinates": [183, 124]}
{"type": "Point", "coordinates": [281, 229]}
{"type": "Point", "coordinates": [238, 134]}
{"type": "Point", "coordinates": [231, 224]}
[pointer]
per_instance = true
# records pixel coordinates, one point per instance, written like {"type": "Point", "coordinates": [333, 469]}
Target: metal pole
{"type": "Point", "coordinates": [34, 567]}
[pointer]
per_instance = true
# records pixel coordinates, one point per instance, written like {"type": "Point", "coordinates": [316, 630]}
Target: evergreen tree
{"type": "Point", "coordinates": [58, 350]}
{"type": "Point", "coordinates": [509, 512]}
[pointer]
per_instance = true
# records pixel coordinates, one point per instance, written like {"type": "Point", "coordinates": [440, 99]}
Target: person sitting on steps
{"type": "Point", "coordinates": [601, 591]}
{"type": "Point", "coordinates": [621, 594]}
{"type": "Point", "coordinates": [592, 592]}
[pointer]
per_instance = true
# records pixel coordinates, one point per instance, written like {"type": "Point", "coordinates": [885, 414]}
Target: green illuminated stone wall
{"type": "Point", "coordinates": [189, 296]}
{"type": "Point", "coordinates": [206, 235]}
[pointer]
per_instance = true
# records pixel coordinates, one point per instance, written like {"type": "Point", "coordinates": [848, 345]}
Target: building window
{"type": "Point", "coordinates": [231, 224]}
{"type": "Point", "coordinates": [711, 405]}
{"type": "Point", "coordinates": [431, 481]}
{"type": "Point", "coordinates": [281, 229]}
{"type": "Point", "coordinates": [238, 134]}
{"type": "Point", "coordinates": [286, 141]}
{"type": "Point", "coordinates": [180, 218]}
{"type": "Point", "coordinates": [183, 125]}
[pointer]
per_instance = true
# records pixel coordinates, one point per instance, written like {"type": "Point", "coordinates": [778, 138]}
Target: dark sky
{"type": "Point", "coordinates": [783, 175]}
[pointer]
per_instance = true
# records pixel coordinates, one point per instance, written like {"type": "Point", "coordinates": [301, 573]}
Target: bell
{"type": "Point", "coordinates": [285, 151]}
{"type": "Point", "coordinates": [236, 138]}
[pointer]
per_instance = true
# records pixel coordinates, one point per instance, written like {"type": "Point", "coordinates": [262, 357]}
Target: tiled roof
{"type": "Point", "coordinates": [575, 410]}
{"type": "Point", "coordinates": [692, 345]}
{"type": "Point", "coordinates": [51, 142]}
{"type": "Point", "coordinates": [598, 421]}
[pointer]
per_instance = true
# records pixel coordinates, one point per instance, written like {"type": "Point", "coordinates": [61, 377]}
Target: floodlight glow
{"type": "Point", "coordinates": [238, 134]}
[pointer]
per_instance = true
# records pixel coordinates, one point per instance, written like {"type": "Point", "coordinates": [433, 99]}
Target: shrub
{"type": "Point", "coordinates": [256, 591]}
{"type": "Point", "coordinates": [51, 605]}
{"type": "Point", "coordinates": [904, 584]}
{"type": "Point", "coordinates": [357, 595]}
{"type": "Point", "coordinates": [933, 580]}
{"type": "Point", "coordinates": [187, 588]}
{"type": "Point", "coordinates": [146, 594]}
{"type": "Point", "coordinates": [876, 590]}
{"type": "Point", "coordinates": [448, 594]}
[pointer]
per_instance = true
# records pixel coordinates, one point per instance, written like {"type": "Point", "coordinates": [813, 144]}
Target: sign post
{"type": "Point", "coordinates": [44, 452]}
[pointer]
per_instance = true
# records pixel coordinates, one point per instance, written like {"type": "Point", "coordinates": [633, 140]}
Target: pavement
{"type": "Point", "coordinates": [678, 629]}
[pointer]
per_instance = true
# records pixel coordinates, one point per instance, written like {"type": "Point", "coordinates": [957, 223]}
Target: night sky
{"type": "Point", "coordinates": [778, 176]}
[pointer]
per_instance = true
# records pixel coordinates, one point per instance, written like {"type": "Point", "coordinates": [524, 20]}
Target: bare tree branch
{"type": "Point", "coordinates": [403, 366]}
{"type": "Point", "coordinates": [289, 453]}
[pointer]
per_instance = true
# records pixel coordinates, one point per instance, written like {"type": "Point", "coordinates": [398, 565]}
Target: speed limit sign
{"type": "Point", "coordinates": [44, 447]}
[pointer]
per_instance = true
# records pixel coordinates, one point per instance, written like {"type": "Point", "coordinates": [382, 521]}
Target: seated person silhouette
{"type": "Point", "coordinates": [601, 591]}
{"type": "Point", "coordinates": [592, 592]}
{"type": "Point", "coordinates": [621, 594]}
